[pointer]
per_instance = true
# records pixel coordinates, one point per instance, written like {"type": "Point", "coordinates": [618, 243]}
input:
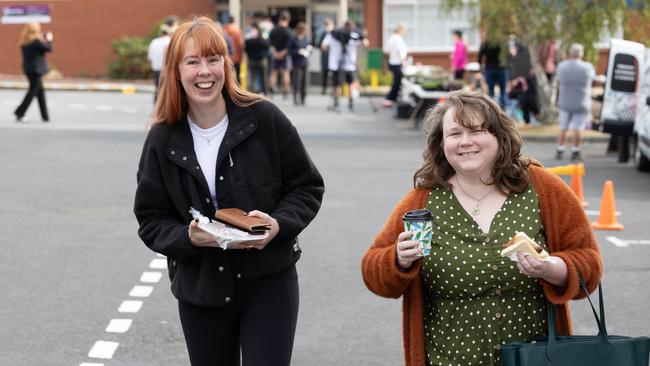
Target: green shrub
{"type": "Point", "coordinates": [131, 62]}
{"type": "Point", "coordinates": [385, 77]}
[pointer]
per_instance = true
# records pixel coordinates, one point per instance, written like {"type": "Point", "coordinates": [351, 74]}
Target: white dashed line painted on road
{"type": "Point", "coordinates": [91, 364]}
{"type": "Point", "coordinates": [141, 291]}
{"type": "Point", "coordinates": [596, 213]}
{"type": "Point", "coordinates": [626, 243]}
{"type": "Point", "coordinates": [119, 325]}
{"type": "Point", "coordinates": [130, 306]}
{"type": "Point", "coordinates": [104, 108]}
{"type": "Point", "coordinates": [150, 277]}
{"type": "Point", "coordinates": [158, 263]}
{"type": "Point", "coordinates": [103, 349]}
{"type": "Point", "coordinates": [129, 110]}
{"type": "Point", "coordinates": [76, 106]}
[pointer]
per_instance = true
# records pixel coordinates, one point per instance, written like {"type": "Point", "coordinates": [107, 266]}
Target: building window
{"type": "Point", "coordinates": [429, 27]}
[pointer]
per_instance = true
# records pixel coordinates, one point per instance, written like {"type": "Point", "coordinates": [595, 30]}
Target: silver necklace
{"type": "Point", "coordinates": [477, 208]}
{"type": "Point", "coordinates": [208, 140]}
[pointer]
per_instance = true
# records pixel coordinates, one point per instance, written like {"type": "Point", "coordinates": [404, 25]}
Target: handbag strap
{"type": "Point", "coordinates": [604, 346]}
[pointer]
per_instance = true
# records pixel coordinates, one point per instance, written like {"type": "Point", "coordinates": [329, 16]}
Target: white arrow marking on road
{"type": "Point", "coordinates": [130, 306]}
{"type": "Point", "coordinates": [158, 263]}
{"type": "Point", "coordinates": [141, 291]}
{"type": "Point", "coordinates": [119, 325]}
{"type": "Point", "coordinates": [626, 243]}
{"type": "Point", "coordinates": [103, 349]}
{"type": "Point", "coordinates": [150, 277]}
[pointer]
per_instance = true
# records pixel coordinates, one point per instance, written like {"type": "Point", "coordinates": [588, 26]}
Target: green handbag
{"type": "Point", "coordinates": [598, 350]}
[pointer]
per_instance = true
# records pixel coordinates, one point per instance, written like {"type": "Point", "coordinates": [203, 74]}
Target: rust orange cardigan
{"type": "Point", "coordinates": [568, 234]}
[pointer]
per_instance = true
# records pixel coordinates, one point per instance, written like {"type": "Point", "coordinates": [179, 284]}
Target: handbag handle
{"type": "Point", "coordinates": [604, 347]}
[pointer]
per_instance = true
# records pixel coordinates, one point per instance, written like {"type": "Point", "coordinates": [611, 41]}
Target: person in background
{"type": "Point", "coordinates": [237, 39]}
{"type": "Point", "coordinates": [522, 84]}
{"type": "Point", "coordinates": [34, 45]}
{"type": "Point", "coordinates": [397, 52]}
{"type": "Point", "coordinates": [547, 57]}
{"type": "Point", "coordinates": [463, 301]}
{"type": "Point", "coordinates": [299, 49]}
{"type": "Point", "coordinates": [212, 145]}
{"type": "Point", "coordinates": [574, 77]}
{"type": "Point", "coordinates": [342, 45]}
{"type": "Point", "coordinates": [459, 56]}
{"type": "Point", "coordinates": [328, 26]}
{"type": "Point", "coordinates": [489, 56]}
{"type": "Point", "coordinates": [157, 49]}
{"type": "Point", "coordinates": [257, 50]}
{"type": "Point", "coordinates": [280, 37]}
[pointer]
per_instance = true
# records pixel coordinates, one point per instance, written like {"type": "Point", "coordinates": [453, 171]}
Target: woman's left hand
{"type": "Point", "coordinates": [532, 267]}
{"type": "Point", "coordinates": [553, 271]}
{"type": "Point", "coordinates": [260, 244]}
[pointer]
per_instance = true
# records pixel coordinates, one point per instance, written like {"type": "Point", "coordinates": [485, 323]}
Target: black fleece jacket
{"type": "Point", "coordinates": [262, 165]}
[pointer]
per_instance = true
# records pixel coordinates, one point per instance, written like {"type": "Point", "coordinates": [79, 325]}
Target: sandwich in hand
{"type": "Point", "coordinates": [522, 243]}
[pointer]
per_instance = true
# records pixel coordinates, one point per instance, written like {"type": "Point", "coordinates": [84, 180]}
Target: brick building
{"type": "Point", "coordinates": [84, 29]}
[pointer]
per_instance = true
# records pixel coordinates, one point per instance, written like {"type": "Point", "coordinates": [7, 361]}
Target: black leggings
{"type": "Point", "coordinates": [37, 90]}
{"type": "Point", "coordinates": [261, 321]}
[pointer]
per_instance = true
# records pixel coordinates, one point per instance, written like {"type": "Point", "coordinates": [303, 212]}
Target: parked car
{"type": "Point", "coordinates": [641, 139]}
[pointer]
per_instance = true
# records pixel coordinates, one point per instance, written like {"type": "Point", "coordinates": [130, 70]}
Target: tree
{"type": "Point", "coordinates": [534, 21]}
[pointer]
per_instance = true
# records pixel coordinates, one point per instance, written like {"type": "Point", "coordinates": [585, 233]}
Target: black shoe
{"type": "Point", "coordinates": [558, 154]}
{"type": "Point", "coordinates": [576, 156]}
{"type": "Point", "coordinates": [21, 119]}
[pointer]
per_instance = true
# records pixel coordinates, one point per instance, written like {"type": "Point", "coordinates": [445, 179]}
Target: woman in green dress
{"type": "Point", "coordinates": [463, 301]}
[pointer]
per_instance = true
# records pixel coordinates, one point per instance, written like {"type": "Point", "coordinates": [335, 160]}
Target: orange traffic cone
{"type": "Point", "coordinates": [607, 217]}
{"type": "Point", "coordinates": [576, 183]}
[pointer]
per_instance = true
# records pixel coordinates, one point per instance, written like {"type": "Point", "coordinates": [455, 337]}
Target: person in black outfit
{"type": "Point", "coordinates": [489, 55]}
{"type": "Point", "coordinates": [257, 49]}
{"type": "Point", "coordinates": [212, 145]}
{"type": "Point", "coordinates": [328, 26]}
{"type": "Point", "coordinates": [34, 45]}
{"type": "Point", "coordinates": [280, 37]}
{"type": "Point", "coordinates": [299, 49]}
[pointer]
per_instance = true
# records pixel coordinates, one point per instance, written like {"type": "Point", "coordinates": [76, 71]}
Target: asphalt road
{"type": "Point", "coordinates": [72, 256]}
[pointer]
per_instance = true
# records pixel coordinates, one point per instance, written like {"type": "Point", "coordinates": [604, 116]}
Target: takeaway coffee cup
{"type": "Point", "coordinates": [420, 223]}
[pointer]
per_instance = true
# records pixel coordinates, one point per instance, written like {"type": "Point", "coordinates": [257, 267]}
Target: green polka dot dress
{"type": "Point", "coordinates": [476, 300]}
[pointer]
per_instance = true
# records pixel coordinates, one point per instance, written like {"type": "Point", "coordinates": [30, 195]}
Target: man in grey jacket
{"type": "Point", "coordinates": [574, 78]}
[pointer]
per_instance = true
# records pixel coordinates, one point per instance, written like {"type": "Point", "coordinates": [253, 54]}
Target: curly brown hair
{"type": "Point", "coordinates": [510, 170]}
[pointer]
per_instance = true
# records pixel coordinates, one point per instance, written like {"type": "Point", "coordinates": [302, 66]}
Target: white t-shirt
{"type": "Point", "coordinates": [156, 52]}
{"type": "Point", "coordinates": [396, 49]}
{"type": "Point", "coordinates": [206, 146]}
{"type": "Point", "coordinates": [334, 60]}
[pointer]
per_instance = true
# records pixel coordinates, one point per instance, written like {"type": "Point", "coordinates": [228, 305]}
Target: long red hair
{"type": "Point", "coordinates": [172, 102]}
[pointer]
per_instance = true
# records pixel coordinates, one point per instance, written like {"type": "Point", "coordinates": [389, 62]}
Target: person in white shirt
{"type": "Point", "coordinates": [157, 48]}
{"type": "Point", "coordinates": [397, 52]}
{"type": "Point", "coordinates": [342, 61]}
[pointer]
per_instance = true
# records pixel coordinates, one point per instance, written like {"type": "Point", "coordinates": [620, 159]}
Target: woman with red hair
{"type": "Point", "coordinates": [213, 145]}
{"type": "Point", "coordinates": [33, 45]}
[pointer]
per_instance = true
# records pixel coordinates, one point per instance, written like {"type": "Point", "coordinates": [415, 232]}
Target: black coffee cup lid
{"type": "Point", "coordinates": [417, 215]}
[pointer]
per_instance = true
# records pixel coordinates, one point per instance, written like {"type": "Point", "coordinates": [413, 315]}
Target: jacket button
{"type": "Point", "coordinates": [220, 269]}
{"type": "Point", "coordinates": [207, 200]}
{"type": "Point", "coordinates": [173, 263]}
{"type": "Point", "coordinates": [184, 157]}
{"type": "Point", "coordinates": [494, 267]}
{"type": "Point", "coordinates": [487, 240]}
{"type": "Point", "coordinates": [251, 125]}
{"type": "Point", "coordinates": [497, 315]}
{"type": "Point", "coordinates": [227, 299]}
{"type": "Point", "coordinates": [173, 152]}
{"type": "Point", "coordinates": [221, 177]}
{"type": "Point", "coordinates": [198, 167]}
{"type": "Point", "coordinates": [238, 275]}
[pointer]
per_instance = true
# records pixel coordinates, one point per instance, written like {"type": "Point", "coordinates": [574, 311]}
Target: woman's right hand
{"type": "Point", "coordinates": [199, 237]}
{"type": "Point", "coordinates": [408, 251]}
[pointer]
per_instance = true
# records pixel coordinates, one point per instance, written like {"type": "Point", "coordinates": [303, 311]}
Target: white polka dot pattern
{"type": "Point", "coordinates": [476, 300]}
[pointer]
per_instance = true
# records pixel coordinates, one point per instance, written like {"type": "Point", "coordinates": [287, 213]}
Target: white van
{"type": "Point", "coordinates": [641, 139]}
{"type": "Point", "coordinates": [625, 111]}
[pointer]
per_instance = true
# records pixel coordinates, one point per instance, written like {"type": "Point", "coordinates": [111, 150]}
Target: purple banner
{"type": "Point", "coordinates": [20, 14]}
